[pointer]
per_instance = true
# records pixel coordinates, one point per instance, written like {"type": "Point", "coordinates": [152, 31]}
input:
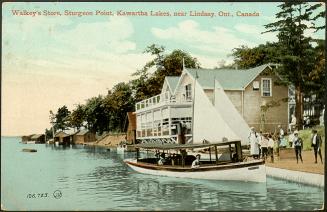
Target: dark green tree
{"type": "Point", "coordinates": [48, 133]}
{"type": "Point", "coordinates": [77, 117]}
{"type": "Point", "coordinates": [245, 57]}
{"type": "Point", "coordinates": [317, 75]}
{"type": "Point", "coordinates": [62, 116]}
{"type": "Point", "coordinates": [96, 115]}
{"type": "Point", "coordinates": [117, 104]}
{"type": "Point", "coordinates": [149, 84]}
{"type": "Point", "coordinates": [52, 118]}
{"type": "Point", "coordinates": [296, 51]}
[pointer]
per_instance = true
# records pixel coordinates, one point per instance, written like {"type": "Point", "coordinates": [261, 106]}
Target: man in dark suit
{"type": "Point", "coordinates": [316, 144]}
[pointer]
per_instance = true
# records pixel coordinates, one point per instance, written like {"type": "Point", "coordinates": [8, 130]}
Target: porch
{"type": "Point", "coordinates": [161, 100]}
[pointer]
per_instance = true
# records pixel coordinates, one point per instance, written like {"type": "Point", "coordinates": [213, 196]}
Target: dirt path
{"type": "Point", "coordinates": [308, 164]}
{"type": "Point", "coordinates": [108, 141]}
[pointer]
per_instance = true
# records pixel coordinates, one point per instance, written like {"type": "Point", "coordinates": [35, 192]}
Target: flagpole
{"type": "Point", "coordinates": [214, 91]}
{"type": "Point", "coordinates": [183, 64]}
{"type": "Point", "coordinates": [193, 100]}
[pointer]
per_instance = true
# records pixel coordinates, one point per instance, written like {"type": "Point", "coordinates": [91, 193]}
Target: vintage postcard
{"type": "Point", "coordinates": [143, 106]}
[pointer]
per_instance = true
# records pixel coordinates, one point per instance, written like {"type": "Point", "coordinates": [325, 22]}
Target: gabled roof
{"type": "Point", "coordinates": [61, 134]}
{"type": "Point", "coordinates": [70, 131]}
{"type": "Point", "coordinates": [230, 79]}
{"type": "Point", "coordinates": [82, 132]}
{"type": "Point", "coordinates": [172, 82]}
{"type": "Point", "coordinates": [36, 136]}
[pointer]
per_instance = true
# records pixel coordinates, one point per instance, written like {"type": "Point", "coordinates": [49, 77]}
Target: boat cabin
{"type": "Point", "coordinates": [177, 154]}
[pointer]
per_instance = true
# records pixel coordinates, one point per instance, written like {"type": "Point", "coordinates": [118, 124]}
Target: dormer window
{"type": "Point", "coordinates": [266, 87]}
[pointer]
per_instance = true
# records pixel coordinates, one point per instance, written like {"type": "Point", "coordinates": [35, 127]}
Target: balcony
{"type": "Point", "coordinates": [162, 99]}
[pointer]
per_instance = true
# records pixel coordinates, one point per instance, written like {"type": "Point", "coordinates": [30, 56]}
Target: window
{"type": "Point", "coordinates": [188, 91]}
{"type": "Point", "coordinates": [266, 87]}
{"type": "Point", "coordinates": [256, 85]}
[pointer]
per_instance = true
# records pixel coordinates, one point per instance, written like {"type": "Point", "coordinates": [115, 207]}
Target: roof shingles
{"type": "Point", "coordinates": [230, 79]}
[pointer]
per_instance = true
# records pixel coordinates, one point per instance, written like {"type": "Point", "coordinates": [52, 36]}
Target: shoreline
{"type": "Point", "coordinates": [296, 176]}
{"type": "Point", "coordinates": [293, 172]}
{"type": "Point", "coordinates": [307, 172]}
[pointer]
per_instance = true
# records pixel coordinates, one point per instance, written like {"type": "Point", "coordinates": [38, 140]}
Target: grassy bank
{"type": "Point", "coordinates": [306, 136]}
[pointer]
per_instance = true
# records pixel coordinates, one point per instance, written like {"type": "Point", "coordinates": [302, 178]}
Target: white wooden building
{"type": "Point", "coordinates": [157, 117]}
{"type": "Point", "coordinates": [226, 103]}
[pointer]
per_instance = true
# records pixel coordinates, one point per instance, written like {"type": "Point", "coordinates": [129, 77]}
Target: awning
{"type": "Point", "coordinates": [183, 146]}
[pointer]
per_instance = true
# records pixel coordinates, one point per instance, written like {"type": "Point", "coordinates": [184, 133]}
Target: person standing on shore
{"type": "Point", "coordinates": [254, 148]}
{"type": "Point", "coordinates": [298, 145]}
{"type": "Point", "coordinates": [292, 124]}
{"type": "Point", "coordinates": [264, 146]}
{"type": "Point", "coordinates": [271, 144]}
{"type": "Point", "coordinates": [259, 143]}
{"type": "Point", "coordinates": [280, 138]}
{"type": "Point", "coordinates": [316, 144]}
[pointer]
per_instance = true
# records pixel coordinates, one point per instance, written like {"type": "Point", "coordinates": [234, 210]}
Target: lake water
{"type": "Point", "coordinates": [88, 178]}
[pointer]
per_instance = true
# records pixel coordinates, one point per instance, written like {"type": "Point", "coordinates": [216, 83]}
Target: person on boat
{"type": "Point", "coordinates": [161, 160]}
{"type": "Point", "coordinates": [254, 147]}
{"type": "Point", "coordinates": [196, 162]}
{"type": "Point", "coordinates": [234, 157]}
{"type": "Point", "coordinates": [298, 145]}
{"type": "Point", "coordinates": [316, 144]}
{"type": "Point", "coordinates": [271, 144]}
{"type": "Point", "coordinates": [184, 155]}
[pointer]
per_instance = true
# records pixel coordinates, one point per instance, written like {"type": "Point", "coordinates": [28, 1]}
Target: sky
{"type": "Point", "coordinates": [53, 60]}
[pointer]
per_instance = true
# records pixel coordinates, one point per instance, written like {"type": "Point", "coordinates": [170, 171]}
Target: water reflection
{"type": "Point", "coordinates": [195, 195]}
{"type": "Point", "coordinates": [93, 178]}
{"type": "Point", "coordinates": [60, 147]}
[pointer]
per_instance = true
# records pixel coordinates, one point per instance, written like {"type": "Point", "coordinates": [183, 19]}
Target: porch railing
{"type": "Point", "coordinates": [164, 98]}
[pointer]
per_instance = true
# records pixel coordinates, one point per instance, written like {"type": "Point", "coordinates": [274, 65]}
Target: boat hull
{"type": "Point", "coordinates": [253, 171]}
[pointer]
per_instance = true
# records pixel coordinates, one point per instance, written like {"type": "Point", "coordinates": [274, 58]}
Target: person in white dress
{"type": "Point", "coordinates": [280, 141]}
{"type": "Point", "coordinates": [254, 147]}
{"type": "Point", "coordinates": [260, 136]}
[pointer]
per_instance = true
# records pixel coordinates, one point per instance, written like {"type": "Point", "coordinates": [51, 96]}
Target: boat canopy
{"type": "Point", "coordinates": [184, 146]}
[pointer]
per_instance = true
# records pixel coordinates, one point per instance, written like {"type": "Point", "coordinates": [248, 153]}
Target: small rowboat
{"type": "Point", "coordinates": [29, 150]}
